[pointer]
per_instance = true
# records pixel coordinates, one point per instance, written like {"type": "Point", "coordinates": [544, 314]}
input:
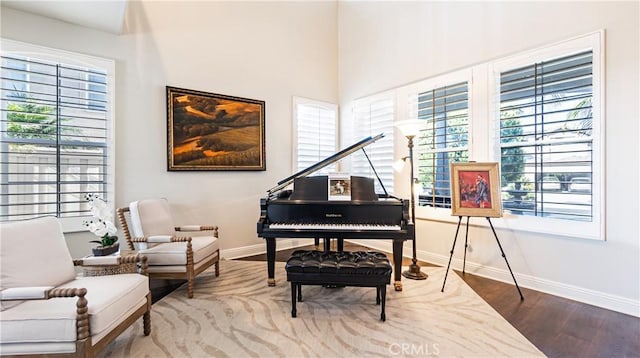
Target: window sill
{"type": "Point", "coordinates": [519, 223]}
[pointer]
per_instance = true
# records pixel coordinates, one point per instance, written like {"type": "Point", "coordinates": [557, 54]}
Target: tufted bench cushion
{"type": "Point", "coordinates": [342, 268]}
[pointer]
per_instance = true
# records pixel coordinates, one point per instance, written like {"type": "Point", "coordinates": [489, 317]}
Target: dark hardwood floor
{"type": "Point", "coordinates": [559, 327]}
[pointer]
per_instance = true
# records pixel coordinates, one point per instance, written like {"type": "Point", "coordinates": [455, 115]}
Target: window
{"type": "Point", "coordinates": [443, 140]}
{"type": "Point", "coordinates": [549, 133]}
{"type": "Point", "coordinates": [372, 116]}
{"type": "Point", "coordinates": [315, 132]}
{"type": "Point", "coordinates": [546, 128]}
{"type": "Point", "coordinates": [55, 129]}
{"type": "Point", "coordinates": [538, 113]}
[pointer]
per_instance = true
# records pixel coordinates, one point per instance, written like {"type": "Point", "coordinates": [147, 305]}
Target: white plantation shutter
{"type": "Point", "coordinates": [371, 117]}
{"type": "Point", "coordinates": [443, 139]}
{"type": "Point", "coordinates": [316, 136]}
{"type": "Point", "coordinates": [55, 132]}
{"type": "Point", "coordinates": [546, 137]}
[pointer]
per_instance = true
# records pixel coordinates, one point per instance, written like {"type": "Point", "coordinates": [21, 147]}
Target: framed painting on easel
{"type": "Point", "coordinates": [475, 190]}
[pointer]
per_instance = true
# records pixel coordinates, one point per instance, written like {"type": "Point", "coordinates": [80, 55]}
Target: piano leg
{"type": "Point", "coordinates": [327, 244]}
{"type": "Point", "coordinates": [397, 264]}
{"type": "Point", "coordinates": [271, 261]}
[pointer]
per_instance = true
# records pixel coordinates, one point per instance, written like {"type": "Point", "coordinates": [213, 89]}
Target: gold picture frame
{"type": "Point", "coordinates": [209, 131]}
{"type": "Point", "coordinates": [475, 189]}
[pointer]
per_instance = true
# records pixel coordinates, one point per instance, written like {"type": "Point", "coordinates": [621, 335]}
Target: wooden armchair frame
{"type": "Point", "coordinates": [84, 346]}
{"type": "Point", "coordinates": [191, 272]}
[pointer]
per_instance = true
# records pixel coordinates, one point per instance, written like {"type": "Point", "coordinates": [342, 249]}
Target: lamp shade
{"type": "Point", "coordinates": [409, 127]}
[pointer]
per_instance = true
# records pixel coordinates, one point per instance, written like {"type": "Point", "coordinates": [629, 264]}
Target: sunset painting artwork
{"type": "Point", "coordinates": [214, 132]}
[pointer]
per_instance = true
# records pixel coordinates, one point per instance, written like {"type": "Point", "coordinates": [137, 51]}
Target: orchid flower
{"type": "Point", "coordinates": [102, 223]}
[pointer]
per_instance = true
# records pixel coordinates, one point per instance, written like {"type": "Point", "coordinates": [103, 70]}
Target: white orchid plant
{"type": "Point", "coordinates": [102, 223]}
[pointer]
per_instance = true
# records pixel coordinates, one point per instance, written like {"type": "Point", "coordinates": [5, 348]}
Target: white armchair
{"type": "Point", "coordinates": [153, 234]}
{"type": "Point", "coordinates": [47, 309]}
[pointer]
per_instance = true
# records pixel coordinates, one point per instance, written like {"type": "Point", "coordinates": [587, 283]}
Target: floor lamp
{"type": "Point", "coordinates": [410, 128]}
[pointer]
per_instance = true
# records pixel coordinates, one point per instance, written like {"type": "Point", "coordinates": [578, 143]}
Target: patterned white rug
{"type": "Point", "coordinates": [238, 315]}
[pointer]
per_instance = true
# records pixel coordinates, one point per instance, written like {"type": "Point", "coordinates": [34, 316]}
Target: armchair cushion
{"type": "Point", "coordinates": [39, 245]}
{"type": "Point", "coordinates": [54, 320]}
{"type": "Point", "coordinates": [110, 296]}
{"type": "Point", "coordinates": [151, 217]}
{"type": "Point", "coordinates": [31, 244]}
{"type": "Point", "coordinates": [175, 253]}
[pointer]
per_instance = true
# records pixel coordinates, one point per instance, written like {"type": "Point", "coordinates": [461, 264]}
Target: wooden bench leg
{"type": "Point", "coordinates": [299, 293]}
{"type": "Point", "coordinates": [293, 299]}
{"type": "Point", "coordinates": [383, 298]}
{"type": "Point", "coordinates": [377, 295]}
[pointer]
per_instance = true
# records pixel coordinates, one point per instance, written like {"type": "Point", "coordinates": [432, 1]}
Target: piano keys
{"type": "Point", "coordinates": [306, 212]}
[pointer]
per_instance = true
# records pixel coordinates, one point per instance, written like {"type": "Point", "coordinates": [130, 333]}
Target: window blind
{"type": "Point", "coordinates": [372, 117]}
{"type": "Point", "coordinates": [315, 133]}
{"type": "Point", "coordinates": [546, 137]}
{"type": "Point", "coordinates": [54, 134]}
{"type": "Point", "coordinates": [444, 139]}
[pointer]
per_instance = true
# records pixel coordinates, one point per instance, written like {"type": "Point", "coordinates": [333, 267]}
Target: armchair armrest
{"type": "Point", "coordinates": [197, 228]}
{"type": "Point", "coordinates": [25, 293]}
{"type": "Point", "coordinates": [82, 312]}
{"type": "Point", "coordinates": [158, 239]}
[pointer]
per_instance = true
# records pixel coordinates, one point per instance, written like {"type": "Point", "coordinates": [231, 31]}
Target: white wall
{"type": "Point", "coordinates": [264, 50]}
{"type": "Point", "coordinates": [383, 45]}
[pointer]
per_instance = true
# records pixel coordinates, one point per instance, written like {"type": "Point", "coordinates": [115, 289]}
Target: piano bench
{"type": "Point", "coordinates": [339, 268]}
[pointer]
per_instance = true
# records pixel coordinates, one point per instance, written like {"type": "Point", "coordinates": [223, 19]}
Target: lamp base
{"type": "Point", "coordinates": [414, 273]}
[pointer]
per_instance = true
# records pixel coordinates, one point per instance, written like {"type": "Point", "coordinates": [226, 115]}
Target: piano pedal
{"type": "Point", "coordinates": [333, 286]}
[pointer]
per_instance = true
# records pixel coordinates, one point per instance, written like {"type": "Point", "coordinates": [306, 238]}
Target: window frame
{"type": "Point", "coordinates": [296, 124]}
{"type": "Point", "coordinates": [594, 229]}
{"type": "Point", "coordinates": [12, 47]}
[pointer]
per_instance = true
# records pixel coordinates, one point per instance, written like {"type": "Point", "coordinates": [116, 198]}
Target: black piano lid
{"type": "Point", "coordinates": [326, 162]}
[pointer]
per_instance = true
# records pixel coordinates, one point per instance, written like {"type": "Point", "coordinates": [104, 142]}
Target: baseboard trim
{"type": "Point", "coordinates": [258, 249]}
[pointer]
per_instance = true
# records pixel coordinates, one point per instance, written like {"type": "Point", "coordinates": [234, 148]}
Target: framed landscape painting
{"type": "Point", "coordinates": [208, 131]}
{"type": "Point", "coordinates": [475, 190]}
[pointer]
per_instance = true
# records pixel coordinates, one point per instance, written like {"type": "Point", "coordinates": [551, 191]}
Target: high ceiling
{"type": "Point", "coordinates": [101, 15]}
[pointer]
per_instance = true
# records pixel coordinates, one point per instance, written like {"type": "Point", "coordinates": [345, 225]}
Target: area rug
{"type": "Point", "coordinates": [238, 315]}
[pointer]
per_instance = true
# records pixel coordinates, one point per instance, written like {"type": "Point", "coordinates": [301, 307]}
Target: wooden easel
{"type": "Point", "coordinates": [465, 253]}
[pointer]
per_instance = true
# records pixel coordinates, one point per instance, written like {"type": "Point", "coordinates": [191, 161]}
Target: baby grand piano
{"type": "Point", "coordinates": [306, 212]}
